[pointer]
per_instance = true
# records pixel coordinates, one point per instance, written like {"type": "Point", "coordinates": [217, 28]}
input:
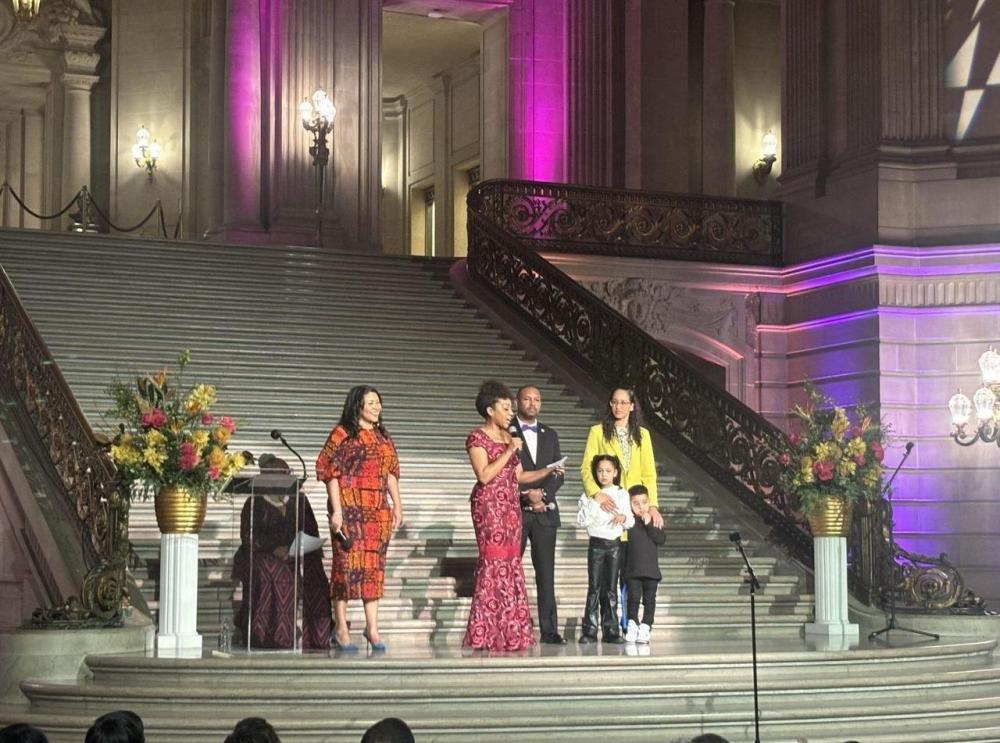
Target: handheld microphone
{"type": "Point", "coordinates": [343, 540]}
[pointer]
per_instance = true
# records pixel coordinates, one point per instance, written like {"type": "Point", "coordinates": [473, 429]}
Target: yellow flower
{"type": "Point", "coordinates": [827, 451]}
{"type": "Point", "coordinates": [124, 452]}
{"type": "Point", "coordinates": [871, 476]}
{"type": "Point", "coordinates": [160, 377]}
{"type": "Point", "coordinates": [216, 458]}
{"type": "Point", "coordinates": [154, 458]}
{"type": "Point", "coordinates": [155, 439]}
{"type": "Point", "coordinates": [855, 447]}
{"type": "Point", "coordinates": [233, 465]}
{"type": "Point", "coordinates": [199, 439]}
{"type": "Point", "coordinates": [840, 422]}
{"type": "Point", "coordinates": [806, 466]}
{"type": "Point", "coordinates": [846, 467]}
{"type": "Point", "coordinates": [201, 398]}
{"type": "Point", "coordinates": [221, 434]}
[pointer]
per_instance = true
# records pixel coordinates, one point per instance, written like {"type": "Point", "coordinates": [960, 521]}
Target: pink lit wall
{"type": "Point", "coordinates": [537, 89]}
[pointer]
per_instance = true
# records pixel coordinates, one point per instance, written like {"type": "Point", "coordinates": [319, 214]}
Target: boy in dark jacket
{"type": "Point", "coordinates": [642, 570]}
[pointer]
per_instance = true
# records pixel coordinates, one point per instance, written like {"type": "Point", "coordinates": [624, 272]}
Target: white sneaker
{"type": "Point", "coordinates": [632, 632]}
{"type": "Point", "coordinates": [643, 635]}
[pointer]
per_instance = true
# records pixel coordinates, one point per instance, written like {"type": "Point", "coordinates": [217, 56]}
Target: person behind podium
{"type": "Point", "coordinates": [360, 466]}
{"type": "Point", "coordinates": [269, 587]}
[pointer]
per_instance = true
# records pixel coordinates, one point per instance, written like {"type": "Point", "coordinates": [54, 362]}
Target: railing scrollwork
{"type": "Point", "coordinates": [511, 222]}
{"type": "Point", "coordinates": [93, 500]}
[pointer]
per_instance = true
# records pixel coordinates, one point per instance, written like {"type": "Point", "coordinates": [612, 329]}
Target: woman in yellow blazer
{"type": "Point", "coordinates": [621, 435]}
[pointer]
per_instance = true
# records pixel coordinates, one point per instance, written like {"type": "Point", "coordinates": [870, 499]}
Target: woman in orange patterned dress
{"type": "Point", "coordinates": [359, 466]}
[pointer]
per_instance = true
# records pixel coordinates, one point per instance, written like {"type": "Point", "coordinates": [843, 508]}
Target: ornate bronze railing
{"type": "Point", "coordinates": [643, 224]}
{"type": "Point", "coordinates": [510, 222]}
{"type": "Point", "coordinates": [728, 439]}
{"type": "Point", "coordinates": [31, 380]}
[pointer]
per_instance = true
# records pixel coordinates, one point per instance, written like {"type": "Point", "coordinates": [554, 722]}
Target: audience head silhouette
{"type": "Point", "coordinates": [389, 730]}
{"type": "Point", "coordinates": [21, 733]}
{"type": "Point", "coordinates": [709, 738]}
{"type": "Point", "coordinates": [121, 726]}
{"type": "Point", "coordinates": [253, 730]}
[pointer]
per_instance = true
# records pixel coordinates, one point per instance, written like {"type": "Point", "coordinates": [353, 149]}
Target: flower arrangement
{"type": "Point", "coordinates": [166, 438]}
{"type": "Point", "coordinates": [838, 454]}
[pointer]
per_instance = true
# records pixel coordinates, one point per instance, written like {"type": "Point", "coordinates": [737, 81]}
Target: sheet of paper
{"type": "Point", "coordinates": [558, 463]}
{"type": "Point", "coordinates": [308, 544]}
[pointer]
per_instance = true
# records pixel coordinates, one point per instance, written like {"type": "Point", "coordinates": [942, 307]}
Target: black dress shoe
{"type": "Point", "coordinates": [587, 639]}
{"type": "Point", "coordinates": [552, 638]}
{"type": "Point", "coordinates": [614, 640]}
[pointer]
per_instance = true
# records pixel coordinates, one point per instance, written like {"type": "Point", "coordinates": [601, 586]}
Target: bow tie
{"type": "Point", "coordinates": [530, 428]}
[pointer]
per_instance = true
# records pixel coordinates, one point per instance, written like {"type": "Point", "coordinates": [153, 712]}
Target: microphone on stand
{"type": "Point", "coordinates": [734, 536]}
{"type": "Point", "coordinates": [906, 452]}
{"type": "Point", "coordinates": [276, 435]}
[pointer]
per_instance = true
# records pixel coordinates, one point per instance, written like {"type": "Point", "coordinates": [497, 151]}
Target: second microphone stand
{"type": "Point", "coordinates": [891, 624]}
{"type": "Point", "coordinates": [751, 580]}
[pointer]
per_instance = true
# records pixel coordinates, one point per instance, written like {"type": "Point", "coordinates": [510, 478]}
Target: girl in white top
{"type": "Point", "coordinates": [604, 553]}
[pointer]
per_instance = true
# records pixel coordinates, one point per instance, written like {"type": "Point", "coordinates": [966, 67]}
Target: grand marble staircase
{"type": "Point", "coordinates": [284, 332]}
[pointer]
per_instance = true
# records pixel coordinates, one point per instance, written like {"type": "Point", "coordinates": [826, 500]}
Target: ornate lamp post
{"type": "Point", "coordinates": [986, 402]}
{"type": "Point", "coordinates": [317, 117]}
{"type": "Point", "coordinates": [25, 10]}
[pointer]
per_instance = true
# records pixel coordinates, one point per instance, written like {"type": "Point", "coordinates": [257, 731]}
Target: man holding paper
{"type": "Point", "coordinates": [268, 579]}
{"type": "Point", "coordinates": [539, 510]}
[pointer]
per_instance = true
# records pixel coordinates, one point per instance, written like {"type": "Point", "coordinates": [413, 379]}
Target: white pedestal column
{"type": "Point", "coordinates": [831, 625]}
{"type": "Point", "coordinates": [178, 629]}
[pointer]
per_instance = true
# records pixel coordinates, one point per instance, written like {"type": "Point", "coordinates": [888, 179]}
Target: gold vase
{"type": "Point", "coordinates": [178, 511]}
{"type": "Point", "coordinates": [831, 517]}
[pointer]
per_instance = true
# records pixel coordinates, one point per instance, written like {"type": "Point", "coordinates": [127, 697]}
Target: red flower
{"type": "Point", "coordinates": [859, 460]}
{"type": "Point", "coordinates": [794, 439]}
{"type": "Point", "coordinates": [155, 418]}
{"type": "Point", "coordinates": [189, 456]}
{"type": "Point", "coordinates": [785, 458]}
{"type": "Point", "coordinates": [227, 423]}
{"type": "Point", "coordinates": [877, 451]}
{"type": "Point", "coordinates": [207, 419]}
{"type": "Point", "coordinates": [823, 471]}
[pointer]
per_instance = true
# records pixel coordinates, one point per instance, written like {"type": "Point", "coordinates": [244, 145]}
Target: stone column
{"type": "Point", "coordinates": [32, 134]}
{"type": "Point", "coordinates": [718, 125]}
{"type": "Point", "coordinates": [178, 616]}
{"type": "Point", "coordinates": [443, 177]}
{"type": "Point", "coordinates": [595, 65]}
{"type": "Point", "coordinates": [76, 133]}
{"type": "Point", "coordinates": [395, 221]}
{"type": "Point", "coordinates": [830, 571]}
{"type": "Point", "coordinates": [355, 159]}
{"type": "Point", "coordinates": [242, 161]}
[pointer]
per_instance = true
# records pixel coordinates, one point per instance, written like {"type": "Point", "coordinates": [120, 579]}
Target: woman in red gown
{"type": "Point", "coordinates": [499, 618]}
{"type": "Point", "coordinates": [360, 467]}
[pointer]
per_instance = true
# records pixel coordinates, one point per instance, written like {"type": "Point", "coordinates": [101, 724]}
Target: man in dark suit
{"type": "Point", "coordinates": [539, 510]}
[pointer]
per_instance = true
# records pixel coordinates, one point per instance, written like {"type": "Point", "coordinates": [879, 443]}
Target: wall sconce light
{"type": "Point", "coordinates": [317, 115]}
{"type": "Point", "coordinates": [25, 10]}
{"type": "Point", "coordinates": [769, 153]}
{"type": "Point", "coordinates": [144, 152]}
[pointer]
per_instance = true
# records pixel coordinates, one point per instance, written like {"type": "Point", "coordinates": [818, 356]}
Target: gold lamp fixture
{"type": "Point", "coordinates": [768, 156]}
{"type": "Point", "coordinates": [145, 151]}
{"type": "Point", "coordinates": [25, 10]}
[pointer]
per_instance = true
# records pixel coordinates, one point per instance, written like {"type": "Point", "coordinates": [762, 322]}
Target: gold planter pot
{"type": "Point", "coordinates": [179, 511]}
{"type": "Point", "coordinates": [831, 518]}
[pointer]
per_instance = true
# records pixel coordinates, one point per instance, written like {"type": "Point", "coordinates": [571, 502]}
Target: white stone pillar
{"type": "Point", "coordinates": [76, 133]}
{"type": "Point", "coordinates": [178, 626]}
{"type": "Point", "coordinates": [31, 185]}
{"type": "Point", "coordinates": [830, 576]}
{"type": "Point", "coordinates": [719, 123]}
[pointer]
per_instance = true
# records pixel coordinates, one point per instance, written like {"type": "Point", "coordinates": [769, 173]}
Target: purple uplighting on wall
{"type": "Point", "coordinates": [538, 101]}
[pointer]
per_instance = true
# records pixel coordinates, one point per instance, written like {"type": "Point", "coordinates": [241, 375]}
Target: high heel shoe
{"type": "Point", "coordinates": [348, 647]}
{"type": "Point", "coordinates": [376, 646]}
